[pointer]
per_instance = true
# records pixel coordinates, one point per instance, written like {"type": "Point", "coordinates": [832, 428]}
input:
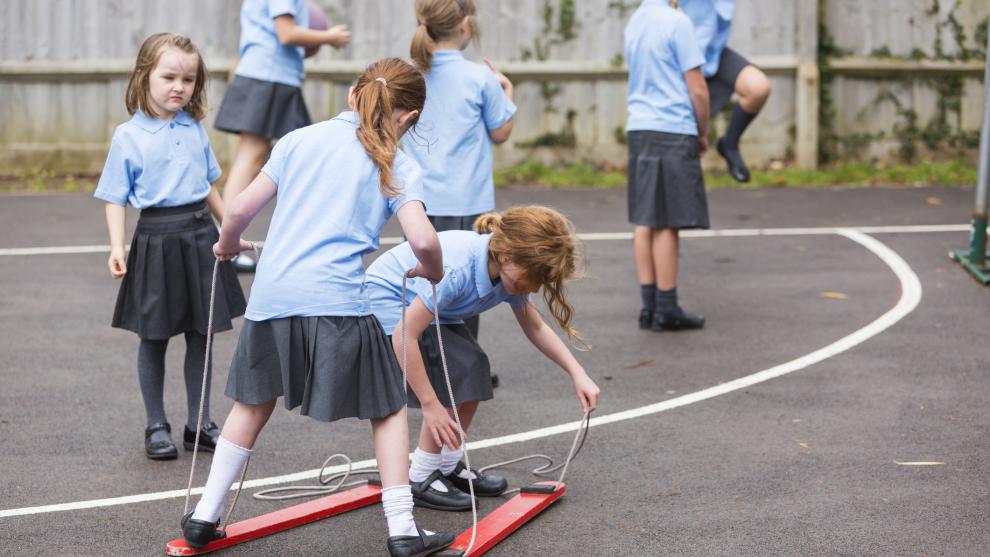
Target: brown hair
{"type": "Point", "coordinates": [673, 4]}
{"type": "Point", "coordinates": [151, 50]}
{"type": "Point", "coordinates": [385, 85]}
{"type": "Point", "coordinates": [438, 20]}
{"type": "Point", "coordinates": [541, 241]}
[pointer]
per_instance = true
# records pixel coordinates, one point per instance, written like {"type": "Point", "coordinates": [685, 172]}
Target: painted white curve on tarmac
{"type": "Point", "coordinates": [909, 299]}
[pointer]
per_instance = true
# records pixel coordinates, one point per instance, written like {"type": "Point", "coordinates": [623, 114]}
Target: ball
{"type": "Point", "coordinates": [317, 21]}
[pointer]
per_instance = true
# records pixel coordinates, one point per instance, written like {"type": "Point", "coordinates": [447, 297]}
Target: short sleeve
{"type": "Point", "coordinates": [274, 167]}
{"type": "Point", "coordinates": [409, 177]}
{"type": "Point", "coordinates": [685, 46]}
{"type": "Point", "coordinates": [115, 180]}
{"type": "Point", "coordinates": [282, 7]}
{"type": "Point", "coordinates": [519, 302]}
{"type": "Point", "coordinates": [423, 289]}
{"type": "Point", "coordinates": [213, 172]}
{"type": "Point", "coordinates": [497, 109]}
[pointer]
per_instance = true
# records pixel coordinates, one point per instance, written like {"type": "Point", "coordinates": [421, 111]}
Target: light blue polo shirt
{"type": "Point", "coordinates": [712, 20]}
{"type": "Point", "coordinates": [660, 48]}
{"type": "Point", "coordinates": [329, 212]}
{"type": "Point", "coordinates": [465, 291]}
{"type": "Point", "coordinates": [158, 163]}
{"type": "Point", "coordinates": [451, 143]}
{"type": "Point", "coordinates": [262, 56]}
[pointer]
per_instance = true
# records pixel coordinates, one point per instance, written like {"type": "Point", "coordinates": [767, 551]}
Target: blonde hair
{"type": "Point", "coordinates": [438, 20]}
{"type": "Point", "coordinates": [543, 243]}
{"type": "Point", "coordinates": [138, 88]}
{"type": "Point", "coordinates": [385, 85]}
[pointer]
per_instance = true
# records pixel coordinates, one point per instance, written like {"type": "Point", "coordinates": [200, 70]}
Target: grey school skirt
{"type": "Point", "coordinates": [166, 290]}
{"type": "Point", "coordinates": [263, 108]}
{"type": "Point", "coordinates": [332, 367]}
{"type": "Point", "coordinates": [470, 371]}
{"type": "Point", "coordinates": [666, 188]}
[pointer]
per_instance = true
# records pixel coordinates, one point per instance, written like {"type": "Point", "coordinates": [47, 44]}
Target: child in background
{"type": "Point", "coordinates": [468, 108]}
{"type": "Point", "coordinates": [309, 335]}
{"type": "Point", "coordinates": [726, 71]}
{"type": "Point", "coordinates": [514, 254]}
{"type": "Point", "coordinates": [668, 132]}
{"type": "Point", "coordinates": [161, 163]}
{"type": "Point", "coordinates": [264, 101]}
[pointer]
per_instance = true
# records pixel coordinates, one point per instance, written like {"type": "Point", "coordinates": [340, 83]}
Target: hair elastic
{"type": "Point", "coordinates": [382, 79]}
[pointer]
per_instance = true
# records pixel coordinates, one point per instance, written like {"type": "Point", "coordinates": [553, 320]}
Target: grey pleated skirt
{"type": "Point", "coordinates": [666, 187]}
{"type": "Point", "coordinates": [331, 367]}
{"type": "Point", "coordinates": [470, 371]}
{"type": "Point", "coordinates": [166, 290]}
{"type": "Point", "coordinates": [263, 108]}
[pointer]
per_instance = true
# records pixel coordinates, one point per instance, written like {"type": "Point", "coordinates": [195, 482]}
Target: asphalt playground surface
{"type": "Point", "coordinates": [879, 448]}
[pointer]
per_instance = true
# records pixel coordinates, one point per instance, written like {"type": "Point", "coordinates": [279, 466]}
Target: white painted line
{"type": "Point", "coordinates": [597, 236]}
{"type": "Point", "coordinates": [909, 300]}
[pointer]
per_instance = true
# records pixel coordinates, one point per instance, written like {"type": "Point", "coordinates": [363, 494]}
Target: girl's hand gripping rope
{"type": "Point", "coordinates": [226, 252]}
{"type": "Point", "coordinates": [420, 271]}
{"type": "Point", "coordinates": [587, 391]}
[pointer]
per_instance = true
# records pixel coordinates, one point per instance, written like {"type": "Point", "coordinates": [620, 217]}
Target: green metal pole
{"type": "Point", "coordinates": [978, 242]}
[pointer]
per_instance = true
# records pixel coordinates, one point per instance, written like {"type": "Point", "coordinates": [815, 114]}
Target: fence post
{"type": "Point", "coordinates": [807, 85]}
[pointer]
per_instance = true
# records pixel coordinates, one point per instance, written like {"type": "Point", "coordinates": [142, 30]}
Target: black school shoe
{"type": "Point", "coordinates": [677, 320]}
{"type": "Point", "coordinates": [645, 318]}
{"type": "Point", "coordinates": [418, 546]}
{"type": "Point", "coordinates": [733, 161]}
{"type": "Point", "coordinates": [159, 450]}
{"type": "Point", "coordinates": [425, 496]}
{"type": "Point", "coordinates": [485, 485]}
{"type": "Point", "coordinates": [207, 438]}
{"type": "Point", "coordinates": [198, 533]}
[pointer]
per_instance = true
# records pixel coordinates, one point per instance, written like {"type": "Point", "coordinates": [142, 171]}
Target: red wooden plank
{"type": "Point", "coordinates": [284, 519]}
{"type": "Point", "coordinates": [503, 521]}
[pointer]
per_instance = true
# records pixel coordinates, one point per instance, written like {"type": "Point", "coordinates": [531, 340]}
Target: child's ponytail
{"type": "Point", "coordinates": [384, 86]}
{"type": "Point", "coordinates": [438, 19]}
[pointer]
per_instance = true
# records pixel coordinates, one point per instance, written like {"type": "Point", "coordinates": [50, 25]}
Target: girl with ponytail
{"type": "Point", "coordinates": [512, 255]}
{"type": "Point", "coordinates": [308, 334]}
{"type": "Point", "coordinates": [468, 109]}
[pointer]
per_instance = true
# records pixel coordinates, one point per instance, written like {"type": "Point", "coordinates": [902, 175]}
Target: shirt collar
{"type": "Point", "coordinates": [440, 56]}
{"type": "Point", "coordinates": [348, 116]}
{"type": "Point", "coordinates": [480, 256]}
{"type": "Point", "coordinates": [152, 125]}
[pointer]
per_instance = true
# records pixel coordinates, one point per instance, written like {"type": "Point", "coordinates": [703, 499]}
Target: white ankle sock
{"type": "Point", "coordinates": [397, 502]}
{"type": "Point", "coordinates": [228, 461]}
{"type": "Point", "coordinates": [449, 459]}
{"type": "Point", "coordinates": [422, 465]}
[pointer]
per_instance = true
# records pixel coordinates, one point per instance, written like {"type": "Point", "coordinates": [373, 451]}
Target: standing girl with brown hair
{"type": "Point", "coordinates": [309, 335]}
{"type": "Point", "coordinates": [468, 110]}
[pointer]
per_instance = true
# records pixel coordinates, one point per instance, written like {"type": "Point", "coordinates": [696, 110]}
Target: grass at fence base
{"type": "Point", "coordinates": [952, 172]}
{"type": "Point", "coordinates": [849, 174]}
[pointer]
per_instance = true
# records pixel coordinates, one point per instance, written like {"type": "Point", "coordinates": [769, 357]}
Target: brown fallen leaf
{"type": "Point", "coordinates": [933, 201]}
{"type": "Point", "coordinates": [641, 363]}
{"type": "Point", "coordinates": [834, 295]}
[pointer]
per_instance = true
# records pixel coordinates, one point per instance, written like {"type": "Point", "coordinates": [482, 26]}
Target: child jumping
{"type": "Point", "coordinates": [726, 71]}
{"type": "Point", "coordinates": [264, 101]}
{"type": "Point", "coordinates": [308, 334]}
{"type": "Point", "coordinates": [161, 163]}
{"type": "Point", "coordinates": [468, 108]}
{"type": "Point", "coordinates": [668, 132]}
{"type": "Point", "coordinates": [512, 255]}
